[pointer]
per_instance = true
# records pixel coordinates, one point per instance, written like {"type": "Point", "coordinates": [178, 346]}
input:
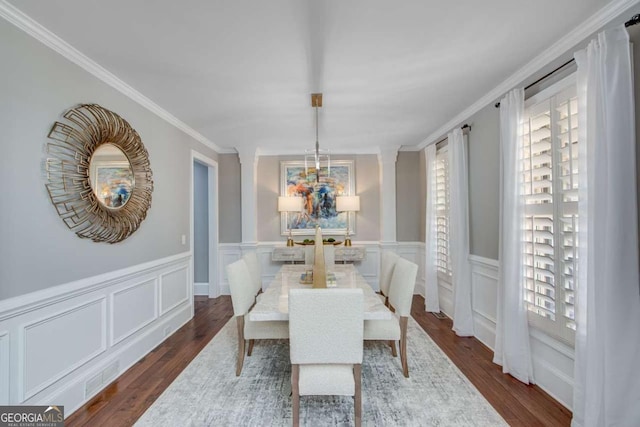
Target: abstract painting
{"type": "Point", "coordinates": [318, 190]}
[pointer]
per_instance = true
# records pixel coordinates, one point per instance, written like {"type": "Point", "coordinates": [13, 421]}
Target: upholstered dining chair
{"type": "Point", "coordinates": [403, 281]}
{"type": "Point", "coordinates": [253, 264]}
{"type": "Point", "coordinates": [387, 263]}
{"type": "Point", "coordinates": [326, 340]}
{"type": "Point", "coordinates": [243, 297]}
{"type": "Point", "coordinates": [329, 254]}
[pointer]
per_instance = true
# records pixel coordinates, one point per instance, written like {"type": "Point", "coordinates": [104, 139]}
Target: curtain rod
{"type": "Point", "coordinates": [633, 21]}
{"type": "Point", "coordinates": [465, 129]}
{"type": "Point", "coordinates": [549, 74]}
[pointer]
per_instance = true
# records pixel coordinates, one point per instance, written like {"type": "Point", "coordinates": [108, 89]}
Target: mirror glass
{"type": "Point", "coordinates": [111, 176]}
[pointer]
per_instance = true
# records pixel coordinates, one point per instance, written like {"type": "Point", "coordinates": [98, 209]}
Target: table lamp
{"type": "Point", "coordinates": [348, 204]}
{"type": "Point", "coordinates": [286, 205]}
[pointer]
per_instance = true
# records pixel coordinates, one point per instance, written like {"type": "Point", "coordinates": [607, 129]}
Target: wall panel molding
{"type": "Point", "coordinates": [5, 367]}
{"type": "Point", "coordinates": [131, 309]}
{"type": "Point", "coordinates": [57, 294]}
{"type": "Point", "coordinates": [66, 343]}
{"type": "Point", "coordinates": [175, 289]}
{"type": "Point", "coordinates": [228, 254]}
{"type": "Point", "coordinates": [552, 360]}
{"type": "Point", "coordinates": [44, 360]}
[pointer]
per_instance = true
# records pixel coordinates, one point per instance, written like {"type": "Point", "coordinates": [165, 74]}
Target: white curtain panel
{"type": "Point", "coordinates": [459, 234]}
{"type": "Point", "coordinates": [512, 349]}
{"type": "Point", "coordinates": [607, 353]}
{"type": "Point", "coordinates": [432, 303]}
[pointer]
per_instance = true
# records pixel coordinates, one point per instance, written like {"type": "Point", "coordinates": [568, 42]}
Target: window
{"type": "Point", "coordinates": [442, 214]}
{"type": "Point", "coordinates": [550, 189]}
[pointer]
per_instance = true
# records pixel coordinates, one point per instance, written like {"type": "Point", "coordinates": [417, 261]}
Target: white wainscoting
{"type": "Point", "coordinates": [228, 253]}
{"type": "Point", "coordinates": [48, 355]}
{"type": "Point", "coordinates": [64, 344]}
{"type": "Point", "coordinates": [414, 252]}
{"type": "Point", "coordinates": [175, 289]}
{"type": "Point", "coordinates": [484, 294]}
{"type": "Point", "coordinates": [132, 309]}
{"type": "Point", "coordinates": [4, 367]}
{"type": "Point", "coordinates": [369, 267]}
{"type": "Point", "coordinates": [552, 360]}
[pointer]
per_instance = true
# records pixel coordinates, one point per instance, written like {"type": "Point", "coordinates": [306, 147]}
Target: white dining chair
{"type": "Point", "coordinates": [387, 264]}
{"type": "Point", "coordinates": [253, 264]}
{"type": "Point", "coordinates": [401, 288]}
{"type": "Point", "coordinates": [243, 297]}
{"type": "Point", "coordinates": [326, 340]}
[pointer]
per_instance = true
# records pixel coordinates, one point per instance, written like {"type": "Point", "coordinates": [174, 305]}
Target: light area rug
{"type": "Point", "coordinates": [207, 392]}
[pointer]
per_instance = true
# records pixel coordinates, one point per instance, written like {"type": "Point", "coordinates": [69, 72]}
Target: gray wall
{"type": "Point", "coordinates": [410, 196]}
{"type": "Point", "coordinates": [484, 182]}
{"type": "Point", "coordinates": [38, 251]}
{"type": "Point", "coordinates": [367, 177]}
{"type": "Point", "coordinates": [200, 223]}
{"type": "Point", "coordinates": [634, 33]}
{"type": "Point", "coordinates": [484, 145]}
{"type": "Point", "coordinates": [229, 209]}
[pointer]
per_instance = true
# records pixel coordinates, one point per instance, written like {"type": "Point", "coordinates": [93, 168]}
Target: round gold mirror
{"type": "Point", "coordinates": [100, 178]}
{"type": "Point", "coordinates": [111, 176]}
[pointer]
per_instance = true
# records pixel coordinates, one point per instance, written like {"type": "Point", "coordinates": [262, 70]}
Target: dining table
{"type": "Point", "coordinates": [273, 303]}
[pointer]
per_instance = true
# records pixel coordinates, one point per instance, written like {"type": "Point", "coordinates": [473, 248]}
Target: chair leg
{"type": "Point", "coordinates": [357, 398]}
{"type": "Point", "coordinates": [295, 395]}
{"type": "Point", "coordinates": [403, 345]}
{"type": "Point", "coordinates": [392, 344]}
{"type": "Point", "coordinates": [250, 349]}
{"type": "Point", "coordinates": [240, 322]}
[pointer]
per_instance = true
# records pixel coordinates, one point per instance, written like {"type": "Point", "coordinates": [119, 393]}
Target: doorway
{"type": "Point", "coordinates": [204, 225]}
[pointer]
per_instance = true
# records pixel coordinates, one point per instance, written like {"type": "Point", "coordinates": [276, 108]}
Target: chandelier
{"type": "Point", "coordinates": [317, 155]}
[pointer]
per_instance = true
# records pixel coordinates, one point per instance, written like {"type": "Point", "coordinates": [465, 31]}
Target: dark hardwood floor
{"type": "Point", "coordinates": [519, 404]}
{"type": "Point", "coordinates": [126, 399]}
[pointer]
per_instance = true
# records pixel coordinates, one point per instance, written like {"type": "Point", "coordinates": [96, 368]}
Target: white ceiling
{"type": "Point", "coordinates": [241, 72]}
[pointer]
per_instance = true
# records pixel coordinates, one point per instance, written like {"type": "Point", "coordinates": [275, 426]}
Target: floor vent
{"type": "Point", "coordinates": [93, 385]}
{"type": "Point", "coordinates": [440, 315]}
{"type": "Point", "coordinates": [110, 372]}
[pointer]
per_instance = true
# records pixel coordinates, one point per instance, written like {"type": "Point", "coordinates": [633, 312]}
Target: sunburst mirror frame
{"type": "Point", "coordinates": [68, 173]}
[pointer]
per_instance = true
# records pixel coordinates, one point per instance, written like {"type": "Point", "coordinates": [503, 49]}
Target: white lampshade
{"type": "Point", "coordinates": [348, 203]}
{"type": "Point", "coordinates": [289, 204]}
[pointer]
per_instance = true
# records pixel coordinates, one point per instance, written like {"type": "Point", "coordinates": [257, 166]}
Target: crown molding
{"type": "Point", "coordinates": [27, 24]}
{"type": "Point", "coordinates": [574, 37]}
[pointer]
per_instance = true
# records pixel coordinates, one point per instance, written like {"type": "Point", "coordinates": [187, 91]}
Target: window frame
{"type": "Point", "coordinates": [556, 328]}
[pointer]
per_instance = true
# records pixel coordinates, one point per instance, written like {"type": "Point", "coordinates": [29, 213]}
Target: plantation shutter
{"type": "Point", "coordinates": [550, 191]}
{"type": "Point", "coordinates": [442, 213]}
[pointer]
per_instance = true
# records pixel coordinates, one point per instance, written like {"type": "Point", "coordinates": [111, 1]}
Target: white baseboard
{"type": "Point", "coordinates": [201, 289]}
{"type": "Point", "coordinates": [66, 343]}
{"type": "Point", "coordinates": [484, 330]}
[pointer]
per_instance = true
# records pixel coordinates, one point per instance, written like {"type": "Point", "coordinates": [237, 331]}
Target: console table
{"type": "Point", "coordinates": [296, 253]}
{"type": "Point", "coordinates": [350, 253]}
{"type": "Point", "coordinates": [288, 253]}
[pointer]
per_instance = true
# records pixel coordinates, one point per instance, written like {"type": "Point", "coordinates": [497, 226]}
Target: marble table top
{"type": "Point", "coordinates": [273, 303]}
